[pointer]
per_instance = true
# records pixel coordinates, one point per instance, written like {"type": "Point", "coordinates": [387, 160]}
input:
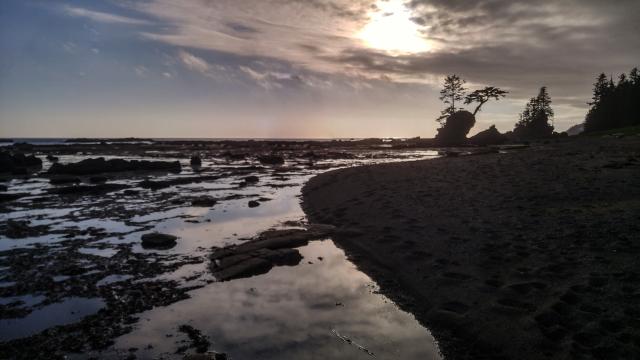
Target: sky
{"type": "Point", "coordinates": [296, 68]}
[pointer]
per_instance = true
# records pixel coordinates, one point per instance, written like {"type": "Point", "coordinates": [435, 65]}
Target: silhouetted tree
{"type": "Point", "coordinates": [456, 122]}
{"type": "Point", "coordinates": [600, 89]}
{"type": "Point", "coordinates": [614, 105]}
{"type": "Point", "coordinates": [534, 120]}
{"type": "Point", "coordinates": [634, 75]}
{"type": "Point", "coordinates": [452, 92]}
{"type": "Point", "coordinates": [481, 96]}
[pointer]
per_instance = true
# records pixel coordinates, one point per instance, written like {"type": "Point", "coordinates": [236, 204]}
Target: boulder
{"type": "Point", "coordinates": [19, 229]}
{"type": "Point", "coordinates": [258, 256]}
{"type": "Point", "coordinates": [98, 179]}
{"type": "Point", "coordinates": [233, 156]}
{"type": "Point", "coordinates": [52, 158]}
{"type": "Point", "coordinates": [13, 196]}
{"type": "Point", "coordinates": [272, 159]}
{"type": "Point", "coordinates": [196, 161]}
{"type": "Point", "coordinates": [100, 165]}
{"type": "Point", "coordinates": [251, 179]}
{"type": "Point", "coordinates": [455, 129]}
{"type": "Point", "coordinates": [253, 203]}
{"type": "Point", "coordinates": [491, 136]}
{"type": "Point", "coordinates": [157, 240]}
{"type": "Point", "coordinates": [204, 201]}
{"type": "Point", "coordinates": [19, 163]}
{"type": "Point", "coordinates": [64, 180]}
{"type": "Point", "coordinates": [250, 267]}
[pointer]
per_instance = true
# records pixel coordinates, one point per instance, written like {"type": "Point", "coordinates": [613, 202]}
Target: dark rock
{"type": "Point", "coordinates": [64, 180]}
{"type": "Point", "coordinates": [198, 341]}
{"type": "Point", "coordinates": [98, 179]}
{"type": "Point", "coordinates": [196, 161]}
{"type": "Point", "coordinates": [157, 240]}
{"type": "Point", "coordinates": [11, 197]}
{"type": "Point", "coordinates": [87, 189]}
{"type": "Point", "coordinates": [456, 128]}
{"type": "Point", "coordinates": [272, 159]}
{"type": "Point", "coordinates": [250, 267]}
{"type": "Point", "coordinates": [19, 229]}
{"type": "Point", "coordinates": [18, 163]}
{"type": "Point", "coordinates": [253, 203]}
{"type": "Point", "coordinates": [207, 356]}
{"type": "Point", "coordinates": [271, 248]}
{"type": "Point", "coordinates": [204, 201]}
{"type": "Point", "coordinates": [283, 257]}
{"type": "Point", "coordinates": [100, 165]}
{"type": "Point", "coordinates": [253, 263]}
{"type": "Point", "coordinates": [161, 184]}
{"type": "Point", "coordinates": [23, 146]}
{"type": "Point", "coordinates": [251, 179]}
{"type": "Point", "coordinates": [52, 158]}
{"type": "Point", "coordinates": [491, 136]}
{"type": "Point", "coordinates": [234, 156]}
{"type": "Point", "coordinates": [3, 188]}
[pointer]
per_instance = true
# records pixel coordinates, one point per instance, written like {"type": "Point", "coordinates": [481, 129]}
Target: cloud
{"type": "Point", "coordinates": [102, 16]}
{"type": "Point", "coordinates": [193, 62]}
{"type": "Point", "coordinates": [519, 45]}
{"type": "Point", "coordinates": [271, 29]}
{"type": "Point", "coordinates": [141, 71]}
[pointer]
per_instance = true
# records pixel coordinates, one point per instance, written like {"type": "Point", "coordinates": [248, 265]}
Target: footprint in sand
{"type": "Point", "coordinates": [455, 307]}
{"type": "Point", "coordinates": [457, 276]}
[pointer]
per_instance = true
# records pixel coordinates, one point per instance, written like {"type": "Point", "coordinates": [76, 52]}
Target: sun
{"type": "Point", "coordinates": [391, 29]}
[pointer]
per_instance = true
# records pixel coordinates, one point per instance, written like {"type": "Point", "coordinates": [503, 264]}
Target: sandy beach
{"type": "Point", "coordinates": [530, 254]}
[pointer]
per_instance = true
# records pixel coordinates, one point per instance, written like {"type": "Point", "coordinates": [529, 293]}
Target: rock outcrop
{"type": "Point", "coordinates": [269, 249]}
{"type": "Point", "coordinates": [272, 159]}
{"type": "Point", "coordinates": [455, 129]}
{"type": "Point", "coordinates": [158, 241]}
{"type": "Point", "coordinates": [19, 163]}
{"type": "Point", "coordinates": [100, 165]}
{"type": "Point", "coordinates": [491, 136]}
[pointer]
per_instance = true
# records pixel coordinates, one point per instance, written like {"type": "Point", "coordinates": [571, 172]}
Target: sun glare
{"type": "Point", "coordinates": [391, 29]}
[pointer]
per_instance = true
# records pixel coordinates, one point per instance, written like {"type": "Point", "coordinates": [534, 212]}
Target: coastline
{"type": "Point", "coordinates": [529, 254]}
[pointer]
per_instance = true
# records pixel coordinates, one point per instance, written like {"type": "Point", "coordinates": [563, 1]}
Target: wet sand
{"type": "Point", "coordinates": [531, 254]}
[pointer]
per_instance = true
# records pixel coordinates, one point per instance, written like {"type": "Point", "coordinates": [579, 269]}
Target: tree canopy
{"type": "Point", "coordinates": [534, 120]}
{"type": "Point", "coordinates": [481, 96]}
{"type": "Point", "coordinates": [452, 92]}
{"type": "Point", "coordinates": [614, 104]}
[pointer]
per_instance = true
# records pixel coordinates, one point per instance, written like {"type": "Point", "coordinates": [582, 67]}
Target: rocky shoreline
{"type": "Point", "coordinates": [530, 254]}
{"type": "Point", "coordinates": [107, 226]}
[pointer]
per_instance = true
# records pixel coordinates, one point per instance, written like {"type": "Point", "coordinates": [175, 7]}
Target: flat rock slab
{"type": "Point", "coordinates": [100, 165]}
{"type": "Point", "coordinates": [270, 248]}
{"type": "Point", "coordinates": [87, 189]}
{"type": "Point", "coordinates": [204, 201]}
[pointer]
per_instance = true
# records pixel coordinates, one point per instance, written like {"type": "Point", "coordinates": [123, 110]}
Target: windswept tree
{"type": "Point", "coordinates": [481, 96]}
{"type": "Point", "coordinates": [535, 119]}
{"type": "Point", "coordinates": [455, 121]}
{"type": "Point", "coordinates": [452, 92]}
